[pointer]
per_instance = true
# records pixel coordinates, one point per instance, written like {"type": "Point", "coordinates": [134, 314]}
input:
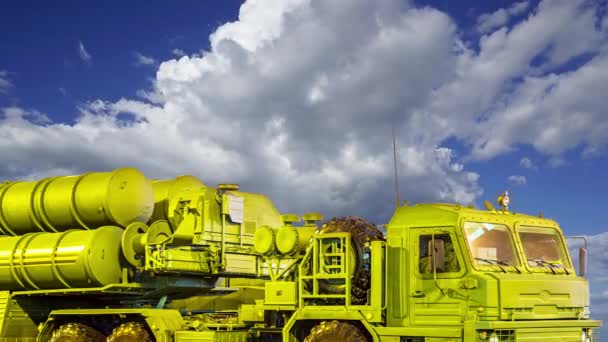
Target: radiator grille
{"type": "Point", "coordinates": [505, 335]}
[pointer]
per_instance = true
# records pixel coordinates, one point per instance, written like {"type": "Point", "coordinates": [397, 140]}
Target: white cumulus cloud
{"type": "Point", "coordinates": [510, 91]}
{"type": "Point", "coordinates": [489, 21]}
{"type": "Point", "coordinates": [243, 111]}
{"type": "Point", "coordinates": [295, 101]}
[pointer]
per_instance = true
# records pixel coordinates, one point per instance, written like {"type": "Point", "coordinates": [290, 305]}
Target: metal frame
{"type": "Point", "coordinates": [334, 265]}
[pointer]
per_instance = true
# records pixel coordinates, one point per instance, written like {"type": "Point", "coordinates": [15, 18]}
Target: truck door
{"type": "Point", "coordinates": [438, 268]}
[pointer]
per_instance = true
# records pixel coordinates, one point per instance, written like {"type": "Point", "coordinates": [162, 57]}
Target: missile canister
{"type": "Point", "coordinates": [292, 240]}
{"type": "Point", "coordinates": [166, 196]}
{"type": "Point", "coordinates": [71, 259]}
{"type": "Point", "coordinates": [87, 201]}
{"type": "Point", "coordinates": [264, 240]}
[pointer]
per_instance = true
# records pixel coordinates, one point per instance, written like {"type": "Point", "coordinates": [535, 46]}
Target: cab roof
{"type": "Point", "coordinates": [446, 214]}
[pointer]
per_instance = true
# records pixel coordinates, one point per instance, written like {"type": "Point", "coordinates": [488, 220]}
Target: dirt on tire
{"type": "Point", "coordinates": [130, 332]}
{"type": "Point", "coordinates": [332, 331]}
{"type": "Point", "coordinates": [76, 332]}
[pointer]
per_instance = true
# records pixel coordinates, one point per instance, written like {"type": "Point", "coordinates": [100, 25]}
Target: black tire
{"type": "Point", "coordinates": [362, 233]}
{"type": "Point", "coordinates": [130, 332]}
{"type": "Point", "coordinates": [76, 332]}
{"type": "Point", "coordinates": [333, 331]}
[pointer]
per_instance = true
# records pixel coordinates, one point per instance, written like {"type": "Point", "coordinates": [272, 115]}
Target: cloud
{"type": "Point", "coordinates": [5, 82]}
{"type": "Point", "coordinates": [84, 54]}
{"type": "Point", "coordinates": [243, 111]}
{"type": "Point", "coordinates": [293, 101]}
{"type": "Point", "coordinates": [489, 21]}
{"type": "Point", "coordinates": [62, 91]}
{"type": "Point", "coordinates": [13, 114]}
{"type": "Point", "coordinates": [178, 52]}
{"type": "Point", "coordinates": [527, 163]}
{"type": "Point", "coordinates": [517, 180]}
{"type": "Point", "coordinates": [520, 88]}
{"type": "Point", "coordinates": [143, 60]}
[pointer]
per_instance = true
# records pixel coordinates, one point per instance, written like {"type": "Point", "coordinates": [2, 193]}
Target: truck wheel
{"type": "Point", "coordinates": [76, 332]}
{"type": "Point", "coordinates": [332, 331]}
{"type": "Point", "coordinates": [362, 233]}
{"type": "Point", "coordinates": [130, 332]}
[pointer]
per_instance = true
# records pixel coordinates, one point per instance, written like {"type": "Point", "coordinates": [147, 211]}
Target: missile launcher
{"type": "Point", "coordinates": [115, 256]}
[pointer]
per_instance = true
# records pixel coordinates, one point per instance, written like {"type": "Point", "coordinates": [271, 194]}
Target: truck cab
{"type": "Point", "coordinates": [483, 274]}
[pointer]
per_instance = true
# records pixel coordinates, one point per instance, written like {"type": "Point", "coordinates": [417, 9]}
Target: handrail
{"type": "Point", "coordinates": [385, 276]}
{"type": "Point", "coordinates": [320, 270]}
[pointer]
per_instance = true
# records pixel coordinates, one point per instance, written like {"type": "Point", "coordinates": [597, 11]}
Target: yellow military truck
{"type": "Point", "coordinates": [114, 256]}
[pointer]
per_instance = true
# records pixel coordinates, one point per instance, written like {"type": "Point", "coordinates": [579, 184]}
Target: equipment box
{"type": "Point", "coordinates": [280, 293]}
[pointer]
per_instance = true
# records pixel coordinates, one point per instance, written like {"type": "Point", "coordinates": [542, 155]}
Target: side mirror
{"type": "Point", "coordinates": [582, 255]}
{"type": "Point", "coordinates": [582, 261]}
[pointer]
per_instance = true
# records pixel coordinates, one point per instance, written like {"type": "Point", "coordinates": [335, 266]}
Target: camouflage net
{"type": "Point", "coordinates": [362, 233]}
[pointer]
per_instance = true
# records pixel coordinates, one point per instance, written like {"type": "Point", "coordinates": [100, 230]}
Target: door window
{"type": "Point", "coordinates": [445, 256]}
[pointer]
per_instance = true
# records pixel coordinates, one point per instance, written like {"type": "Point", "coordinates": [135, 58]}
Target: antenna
{"type": "Point", "coordinates": [397, 200]}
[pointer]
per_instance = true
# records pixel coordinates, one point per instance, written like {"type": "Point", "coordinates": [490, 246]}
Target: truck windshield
{"type": "Point", "coordinates": [491, 244]}
{"type": "Point", "coordinates": [543, 248]}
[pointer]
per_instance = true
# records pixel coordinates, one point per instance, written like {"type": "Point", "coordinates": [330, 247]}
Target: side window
{"type": "Point", "coordinates": [445, 254]}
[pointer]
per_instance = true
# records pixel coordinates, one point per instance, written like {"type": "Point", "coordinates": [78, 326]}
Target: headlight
{"type": "Point", "coordinates": [494, 338]}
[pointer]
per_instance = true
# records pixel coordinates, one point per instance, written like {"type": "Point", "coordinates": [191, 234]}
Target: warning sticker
{"type": "Point", "coordinates": [236, 208]}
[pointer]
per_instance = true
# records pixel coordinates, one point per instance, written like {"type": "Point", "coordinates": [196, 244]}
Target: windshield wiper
{"type": "Point", "coordinates": [506, 263]}
{"type": "Point", "coordinates": [493, 262]}
{"type": "Point", "coordinates": [552, 266]}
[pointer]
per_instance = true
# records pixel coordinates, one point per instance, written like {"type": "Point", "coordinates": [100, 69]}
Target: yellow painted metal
{"type": "Point", "coordinates": [212, 336]}
{"type": "Point", "coordinates": [166, 195]}
{"type": "Point", "coordinates": [311, 217]}
{"type": "Point", "coordinates": [264, 240]}
{"type": "Point", "coordinates": [287, 240]}
{"type": "Point", "coordinates": [280, 293]}
{"type": "Point", "coordinates": [87, 201]}
{"type": "Point", "coordinates": [74, 258]}
{"type": "Point", "coordinates": [292, 240]}
{"type": "Point", "coordinates": [134, 243]}
{"type": "Point", "coordinates": [138, 235]}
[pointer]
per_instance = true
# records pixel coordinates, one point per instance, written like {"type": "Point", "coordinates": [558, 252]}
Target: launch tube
{"type": "Point", "coordinates": [87, 201]}
{"type": "Point", "coordinates": [166, 196]}
{"type": "Point", "coordinates": [291, 239]}
{"type": "Point", "coordinates": [71, 259]}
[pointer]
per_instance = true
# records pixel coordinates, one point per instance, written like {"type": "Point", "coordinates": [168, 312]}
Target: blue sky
{"type": "Point", "coordinates": [40, 44]}
{"type": "Point", "coordinates": [297, 99]}
{"type": "Point", "coordinates": [41, 55]}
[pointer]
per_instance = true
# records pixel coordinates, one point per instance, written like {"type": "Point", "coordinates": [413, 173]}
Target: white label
{"type": "Point", "coordinates": [236, 209]}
